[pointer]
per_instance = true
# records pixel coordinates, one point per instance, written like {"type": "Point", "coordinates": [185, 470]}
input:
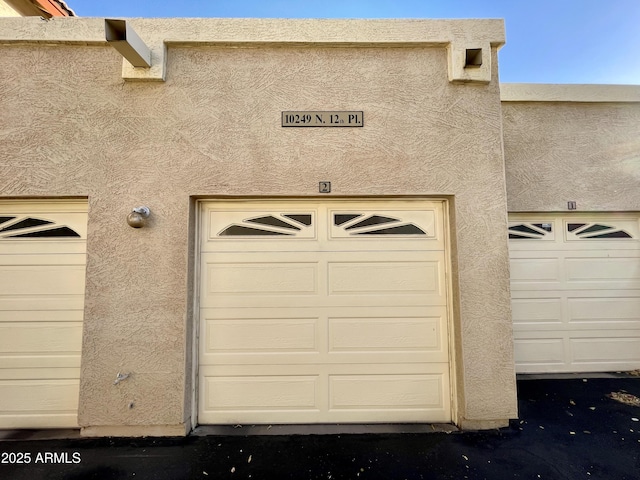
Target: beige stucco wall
{"type": "Point", "coordinates": [572, 143]}
{"type": "Point", "coordinates": [72, 127]}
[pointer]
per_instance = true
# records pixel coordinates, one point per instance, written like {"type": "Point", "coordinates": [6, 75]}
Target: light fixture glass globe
{"type": "Point", "coordinates": [135, 220]}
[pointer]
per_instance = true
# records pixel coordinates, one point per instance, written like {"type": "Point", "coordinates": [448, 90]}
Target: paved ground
{"type": "Point", "coordinates": [568, 429]}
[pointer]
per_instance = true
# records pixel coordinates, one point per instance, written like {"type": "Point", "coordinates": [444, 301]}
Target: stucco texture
{"type": "Point", "coordinates": [557, 152]}
{"type": "Point", "coordinates": [70, 126]}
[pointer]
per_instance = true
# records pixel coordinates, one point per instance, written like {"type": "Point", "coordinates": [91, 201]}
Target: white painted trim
{"type": "Point", "coordinates": [538, 92]}
{"type": "Point", "coordinates": [452, 325]}
{"type": "Point", "coordinates": [195, 338]}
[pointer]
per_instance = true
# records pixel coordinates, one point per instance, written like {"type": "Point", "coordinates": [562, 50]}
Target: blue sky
{"type": "Point", "coordinates": [548, 41]}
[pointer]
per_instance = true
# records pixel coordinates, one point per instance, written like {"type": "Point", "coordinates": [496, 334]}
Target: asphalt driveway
{"type": "Point", "coordinates": [571, 428]}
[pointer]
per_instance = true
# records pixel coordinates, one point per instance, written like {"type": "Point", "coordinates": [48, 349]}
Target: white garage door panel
{"type": "Point", "coordinates": [533, 312]}
{"type": "Point", "coordinates": [598, 311]}
{"type": "Point", "coordinates": [51, 365]}
{"type": "Point", "coordinates": [262, 393]}
{"type": "Point", "coordinates": [263, 278]}
{"type": "Point", "coordinates": [44, 315]}
{"type": "Point", "coordinates": [60, 368]}
{"type": "Point", "coordinates": [575, 292]}
{"type": "Point", "coordinates": [337, 335]}
{"type": "Point", "coordinates": [42, 281]}
{"type": "Point", "coordinates": [621, 272]}
{"type": "Point", "coordinates": [39, 338]}
{"type": "Point", "coordinates": [228, 334]}
{"type": "Point", "coordinates": [583, 349]}
{"type": "Point", "coordinates": [528, 272]}
{"type": "Point", "coordinates": [321, 393]}
{"type": "Point", "coordinates": [396, 334]}
{"type": "Point", "coordinates": [41, 419]}
{"type": "Point", "coordinates": [30, 397]}
{"type": "Point", "coordinates": [539, 354]}
{"type": "Point", "coordinates": [570, 273]}
{"type": "Point", "coordinates": [38, 403]}
{"type": "Point", "coordinates": [46, 303]}
{"type": "Point", "coordinates": [66, 249]}
{"type": "Point", "coordinates": [314, 313]}
{"type": "Point", "coordinates": [385, 392]}
{"type": "Point", "coordinates": [605, 350]}
{"type": "Point", "coordinates": [389, 278]}
{"type": "Point", "coordinates": [571, 313]}
{"type": "Point", "coordinates": [261, 335]}
{"type": "Point", "coordinates": [61, 260]}
{"type": "Point", "coordinates": [319, 279]}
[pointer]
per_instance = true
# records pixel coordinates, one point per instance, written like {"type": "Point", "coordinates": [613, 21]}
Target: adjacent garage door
{"type": "Point", "coordinates": [323, 312]}
{"type": "Point", "coordinates": [42, 271]}
{"type": "Point", "coordinates": [575, 283]}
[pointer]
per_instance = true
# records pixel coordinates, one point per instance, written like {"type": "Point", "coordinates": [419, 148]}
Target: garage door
{"type": "Point", "coordinates": [323, 312]}
{"type": "Point", "coordinates": [42, 271]}
{"type": "Point", "coordinates": [575, 283]}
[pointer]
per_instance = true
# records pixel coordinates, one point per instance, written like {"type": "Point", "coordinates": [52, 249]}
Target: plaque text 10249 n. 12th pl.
{"type": "Point", "coordinates": [322, 119]}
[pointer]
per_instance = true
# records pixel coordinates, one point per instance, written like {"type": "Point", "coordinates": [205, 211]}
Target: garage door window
{"type": "Point", "coordinates": [26, 227]}
{"type": "Point", "coordinates": [269, 225]}
{"type": "Point", "coordinates": [531, 231]}
{"type": "Point", "coordinates": [578, 231]}
{"type": "Point", "coordinates": [359, 224]}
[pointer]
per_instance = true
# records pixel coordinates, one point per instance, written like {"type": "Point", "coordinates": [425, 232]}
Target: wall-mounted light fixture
{"type": "Point", "coordinates": [138, 216]}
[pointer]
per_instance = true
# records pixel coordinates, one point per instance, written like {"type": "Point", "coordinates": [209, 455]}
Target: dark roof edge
{"type": "Point", "coordinates": [66, 8]}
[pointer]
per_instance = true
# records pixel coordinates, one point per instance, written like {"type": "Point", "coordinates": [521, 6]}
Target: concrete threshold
{"type": "Point", "coordinates": [321, 429]}
{"type": "Point", "coordinates": [9, 435]}
{"type": "Point", "coordinates": [39, 434]}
